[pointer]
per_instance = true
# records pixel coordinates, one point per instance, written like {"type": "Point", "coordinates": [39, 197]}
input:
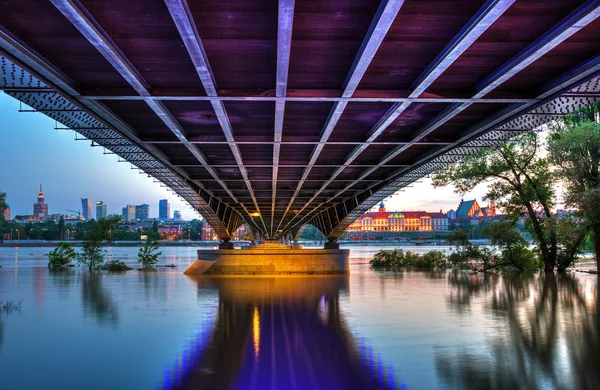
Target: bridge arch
{"type": "Point", "coordinates": [296, 235]}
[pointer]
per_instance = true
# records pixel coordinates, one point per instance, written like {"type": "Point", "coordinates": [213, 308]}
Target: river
{"type": "Point", "coordinates": [371, 329]}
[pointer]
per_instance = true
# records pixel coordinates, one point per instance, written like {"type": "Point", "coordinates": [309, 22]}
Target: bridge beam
{"type": "Point", "coordinates": [181, 15]}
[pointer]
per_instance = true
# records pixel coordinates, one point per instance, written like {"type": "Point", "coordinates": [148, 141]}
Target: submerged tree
{"type": "Point", "coordinates": [61, 256]}
{"type": "Point", "coordinates": [148, 255]}
{"type": "Point", "coordinates": [522, 184]}
{"type": "Point", "coordinates": [575, 149]}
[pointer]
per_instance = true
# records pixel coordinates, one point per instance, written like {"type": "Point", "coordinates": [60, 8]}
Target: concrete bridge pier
{"type": "Point", "coordinates": [270, 259]}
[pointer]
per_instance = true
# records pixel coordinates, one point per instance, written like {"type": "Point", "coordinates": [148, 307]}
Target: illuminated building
{"type": "Point", "coordinates": [470, 209]}
{"type": "Point", "coordinates": [142, 212]}
{"type": "Point", "coordinates": [40, 209]}
{"type": "Point", "coordinates": [87, 208]}
{"type": "Point", "coordinates": [208, 234]}
{"type": "Point", "coordinates": [101, 210]}
{"type": "Point", "coordinates": [164, 209]}
{"type": "Point", "coordinates": [128, 213]}
{"type": "Point", "coordinates": [6, 213]}
{"type": "Point", "coordinates": [399, 221]}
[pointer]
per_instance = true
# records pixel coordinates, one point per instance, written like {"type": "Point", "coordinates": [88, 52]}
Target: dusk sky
{"type": "Point", "coordinates": [31, 151]}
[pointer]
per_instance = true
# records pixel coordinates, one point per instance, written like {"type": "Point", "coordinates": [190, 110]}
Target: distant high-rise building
{"type": "Point", "coordinates": [40, 209]}
{"type": "Point", "coordinates": [87, 208]}
{"type": "Point", "coordinates": [164, 209]}
{"type": "Point", "coordinates": [142, 212]}
{"type": "Point", "coordinates": [177, 215]}
{"type": "Point", "coordinates": [129, 213]}
{"type": "Point", "coordinates": [6, 213]}
{"type": "Point", "coordinates": [101, 210]}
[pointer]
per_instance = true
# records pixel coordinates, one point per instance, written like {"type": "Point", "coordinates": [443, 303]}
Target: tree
{"type": "Point", "coordinates": [512, 245]}
{"type": "Point", "coordinates": [92, 255]}
{"type": "Point", "coordinates": [574, 147]}
{"type": "Point", "coordinates": [522, 184]}
{"type": "Point", "coordinates": [148, 255]}
{"type": "Point", "coordinates": [61, 256]}
{"type": "Point", "coordinates": [155, 226]}
{"type": "Point", "coordinates": [61, 228]}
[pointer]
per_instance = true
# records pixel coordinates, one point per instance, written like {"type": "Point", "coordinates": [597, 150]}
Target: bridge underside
{"type": "Point", "coordinates": [282, 113]}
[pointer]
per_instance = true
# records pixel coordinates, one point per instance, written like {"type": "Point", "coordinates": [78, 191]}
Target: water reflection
{"type": "Point", "coordinates": [97, 300]}
{"type": "Point", "coordinates": [279, 333]}
{"type": "Point", "coordinates": [545, 333]}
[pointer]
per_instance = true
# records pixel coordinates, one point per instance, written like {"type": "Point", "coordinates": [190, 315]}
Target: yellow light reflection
{"type": "Point", "coordinates": [256, 331]}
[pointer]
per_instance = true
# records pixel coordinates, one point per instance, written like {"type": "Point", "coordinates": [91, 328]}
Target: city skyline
{"type": "Point", "coordinates": [72, 170]}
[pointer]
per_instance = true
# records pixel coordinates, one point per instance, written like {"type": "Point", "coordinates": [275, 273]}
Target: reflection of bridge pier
{"type": "Point", "coordinates": [279, 333]}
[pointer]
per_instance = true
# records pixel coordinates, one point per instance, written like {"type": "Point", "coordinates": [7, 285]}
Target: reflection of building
{"type": "Point", "coordinates": [399, 221]}
{"type": "Point", "coordinates": [128, 212]}
{"type": "Point", "coordinates": [471, 209]}
{"type": "Point", "coordinates": [87, 208]}
{"type": "Point", "coordinates": [164, 209]}
{"type": "Point", "coordinates": [40, 209]}
{"type": "Point", "coordinates": [208, 234]}
{"type": "Point", "coordinates": [177, 215]}
{"type": "Point", "coordinates": [101, 210]}
{"type": "Point", "coordinates": [142, 212]}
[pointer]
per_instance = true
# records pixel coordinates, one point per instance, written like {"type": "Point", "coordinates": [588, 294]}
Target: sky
{"type": "Point", "coordinates": [31, 151]}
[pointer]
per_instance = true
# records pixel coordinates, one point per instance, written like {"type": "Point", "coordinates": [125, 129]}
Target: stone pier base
{"type": "Point", "coordinates": [270, 261]}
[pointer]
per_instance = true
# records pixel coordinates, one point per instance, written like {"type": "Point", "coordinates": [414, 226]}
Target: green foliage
{"type": "Point", "coordinates": [523, 185]}
{"type": "Point", "coordinates": [116, 266]}
{"type": "Point", "coordinates": [61, 256]}
{"type": "Point", "coordinates": [92, 254]}
{"type": "Point", "coordinates": [514, 248]}
{"type": "Point", "coordinates": [574, 147]}
{"type": "Point", "coordinates": [311, 233]}
{"type": "Point", "coordinates": [465, 252]}
{"type": "Point", "coordinates": [395, 258]}
{"type": "Point", "coordinates": [148, 255]}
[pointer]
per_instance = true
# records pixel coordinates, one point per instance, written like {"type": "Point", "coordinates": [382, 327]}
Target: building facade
{"type": "Point", "coordinates": [164, 209]}
{"type": "Point", "coordinates": [128, 213]}
{"type": "Point", "coordinates": [399, 221]}
{"type": "Point", "coordinates": [101, 210]}
{"type": "Point", "coordinates": [87, 208]}
{"type": "Point", "coordinates": [40, 209]}
{"type": "Point", "coordinates": [470, 209]}
{"type": "Point", "coordinates": [177, 215]}
{"type": "Point", "coordinates": [142, 212]}
{"type": "Point", "coordinates": [208, 234]}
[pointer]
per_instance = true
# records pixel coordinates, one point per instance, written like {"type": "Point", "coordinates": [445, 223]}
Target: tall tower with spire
{"type": "Point", "coordinates": [40, 209]}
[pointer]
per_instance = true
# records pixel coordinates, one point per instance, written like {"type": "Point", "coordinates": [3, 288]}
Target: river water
{"type": "Point", "coordinates": [369, 330]}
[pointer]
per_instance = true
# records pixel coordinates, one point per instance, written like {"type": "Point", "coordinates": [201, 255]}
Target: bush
{"type": "Point", "coordinates": [398, 258]}
{"type": "Point", "coordinates": [61, 256]}
{"type": "Point", "coordinates": [116, 265]}
{"type": "Point", "coordinates": [148, 255]}
{"type": "Point", "coordinates": [92, 254]}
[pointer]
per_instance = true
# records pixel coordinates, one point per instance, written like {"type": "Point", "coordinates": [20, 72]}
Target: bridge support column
{"type": "Point", "coordinates": [225, 244]}
{"type": "Point", "coordinates": [331, 244]}
{"type": "Point", "coordinates": [270, 259]}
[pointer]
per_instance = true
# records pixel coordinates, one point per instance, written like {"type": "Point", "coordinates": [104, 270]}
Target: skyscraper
{"type": "Point", "coordinates": [142, 212]}
{"type": "Point", "coordinates": [101, 210]}
{"type": "Point", "coordinates": [164, 209]}
{"type": "Point", "coordinates": [177, 215]}
{"type": "Point", "coordinates": [40, 209]}
{"type": "Point", "coordinates": [129, 213]}
{"type": "Point", "coordinates": [87, 208]}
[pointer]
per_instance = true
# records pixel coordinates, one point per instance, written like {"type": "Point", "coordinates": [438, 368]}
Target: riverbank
{"type": "Point", "coordinates": [50, 244]}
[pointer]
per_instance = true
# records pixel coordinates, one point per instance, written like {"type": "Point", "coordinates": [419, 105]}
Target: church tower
{"type": "Point", "coordinates": [381, 207]}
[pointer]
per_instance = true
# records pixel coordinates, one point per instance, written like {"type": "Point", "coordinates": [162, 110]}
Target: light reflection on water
{"type": "Point", "coordinates": [373, 329]}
